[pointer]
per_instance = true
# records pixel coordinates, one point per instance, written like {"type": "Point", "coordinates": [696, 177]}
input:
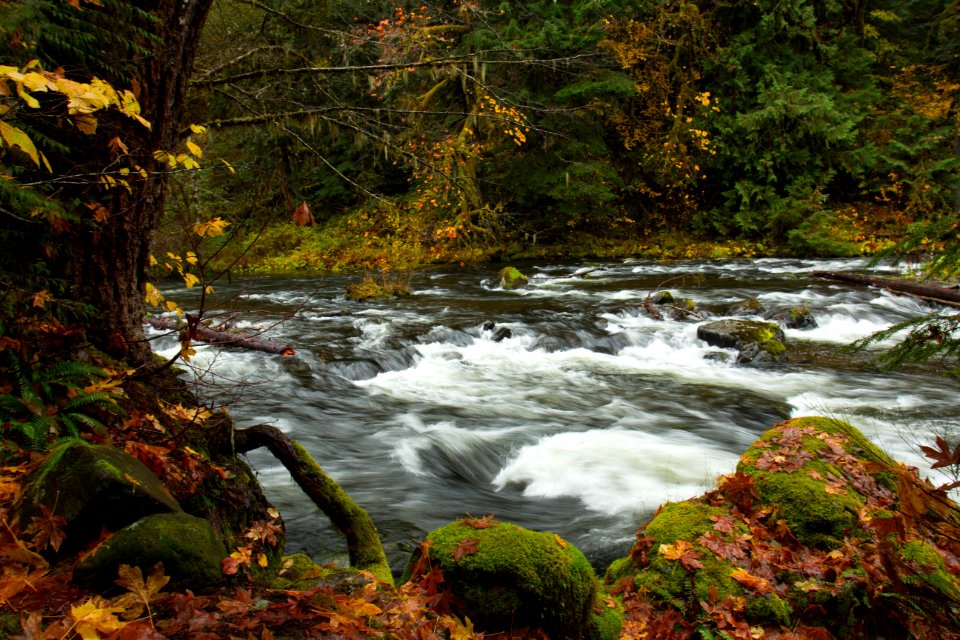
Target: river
{"type": "Point", "coordinates": [582, 422]}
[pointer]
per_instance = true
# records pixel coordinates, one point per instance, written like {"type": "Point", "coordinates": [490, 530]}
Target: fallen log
{"type": "Point", "coordinates": [363, 542]}
{"type": "Point", "coordinates": [927, 292]}
{"type": "Point", "coordinates": [204, 333]}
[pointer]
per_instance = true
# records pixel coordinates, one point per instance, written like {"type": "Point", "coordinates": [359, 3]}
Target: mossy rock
{"type": "Point", "coordinates": [370, 289]}
{"type": "Point", "coordinates": [187, 546]}
{"type": "Point", "coordinates": [508, 577]}
{"type": "Point", "coordinates": [757, 341]}
{"type": "Point", "coordinates": [94, 487]}
{"type": "Point", "coordinates": [511, 278]}
{"type": "Point", "coordinates": [819, 513]}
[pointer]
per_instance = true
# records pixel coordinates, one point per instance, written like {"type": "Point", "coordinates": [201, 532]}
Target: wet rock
{"type": "Point", "coordinates": [94, 487]}
{"type": "Point", "coordinates": [511, 278]}
{"type": "Point", "coordinates": [507, 577]}
{"type": "Point", "coordinates": [187, 546]}
{"type": "Point", "coordinates": [502, 334]}
{"type": "Point", "coordinates": [758, 342]}
{"type": "Point", "coordinates": [799, 317]}
{"type": "Point", "coordinates": [661, 297]}
{"type": "Point", "coordinates": [746, 307]}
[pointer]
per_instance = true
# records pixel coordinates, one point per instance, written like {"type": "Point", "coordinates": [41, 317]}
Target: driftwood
{"type": "Point", "coordinates": [204, 333]}
{"type": "Point", "coordinates": [927, 292]}
{"type": "Point", "coordinates": [363, 543]}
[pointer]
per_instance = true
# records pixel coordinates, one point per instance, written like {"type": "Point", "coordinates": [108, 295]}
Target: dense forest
{"type": "Point", "coordinates": [191, 139]}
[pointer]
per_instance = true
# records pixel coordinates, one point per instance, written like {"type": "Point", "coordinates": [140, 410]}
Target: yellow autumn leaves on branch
{"type": "Point", "coordinates": [17, 89]}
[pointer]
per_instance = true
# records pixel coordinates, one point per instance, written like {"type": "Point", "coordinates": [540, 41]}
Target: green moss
{"type": "Point", "coordinates": [619, 569]}
{"type": "Point", "coordinates": [511, 278]}
{"type": "Point", "coordinates": [816, 517]}
{"type": "Point", "coordinates": [687, 521]}
{"type": "Point", "coordinates": [930, 568]}
{"type": "Point", "coordinates": [607, 624]}
{"type": "Point", "coordinates": [770, 608]}
{"type": "Point", "coordinates": [511, 577]}
{"type": "Point", "coordinates": [187, 546]}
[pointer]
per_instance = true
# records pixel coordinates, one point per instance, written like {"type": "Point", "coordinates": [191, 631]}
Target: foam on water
{"type": "Point", "coordinates": [616, 471]}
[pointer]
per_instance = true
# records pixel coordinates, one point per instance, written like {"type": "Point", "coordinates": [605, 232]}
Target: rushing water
{"type": "Point", "coordinates": [584, 421]}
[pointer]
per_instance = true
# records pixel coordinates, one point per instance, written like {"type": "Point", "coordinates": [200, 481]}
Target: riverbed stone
{"type": "Point", "coordinates": [757, 341]}
{"type": "Point", "coordinates": [799, 317]}
{"type": "Point", "coordinates": [506, 577]}
{"type": "Point", "coordinates": [745, 307]}
{"type": "Point", "coordinates": [94, 487]}
{"type": "Point", "coordinates": [511, 278]}
{"type": "Point", "coordinates": [187, 547]}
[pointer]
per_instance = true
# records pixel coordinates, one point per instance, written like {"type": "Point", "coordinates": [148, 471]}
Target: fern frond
{"type": "Point", "coordinates": [72, 371]}
{"type": "Point", "coordinates": [88, 421]}
{"type": "Point", "coordinates": [98, 399]}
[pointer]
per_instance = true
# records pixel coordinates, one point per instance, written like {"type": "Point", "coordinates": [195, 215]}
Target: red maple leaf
{"type": "Point", "coordinates": [480, 523]}
{"type": "Point", "coordinates": [466, 547]}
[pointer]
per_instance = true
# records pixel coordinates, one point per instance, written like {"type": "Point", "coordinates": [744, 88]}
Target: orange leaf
{"type": "Point", "coordinates": [466, 547]}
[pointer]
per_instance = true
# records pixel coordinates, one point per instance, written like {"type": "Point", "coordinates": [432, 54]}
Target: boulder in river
{"type": "Point", "coordinates": [745, 307]}
{"type": "Point", "coordinates": [758, 342]}
{"type": "Point", "coordinates": [506, 577]}
{"type": "Point", "coordinates": [511, 278]}
{"type": "Point", "coordinates": [799, 317]}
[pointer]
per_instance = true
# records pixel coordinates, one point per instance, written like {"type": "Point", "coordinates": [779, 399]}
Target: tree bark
{"type": "Point", "coordinates": [107, 264]}
{"type": "Point", "coordinates": [363, 542]}
{"type": "Point", "coordinates": [927, 292]}
{"type": "Point", "coordinates": [225, 338]}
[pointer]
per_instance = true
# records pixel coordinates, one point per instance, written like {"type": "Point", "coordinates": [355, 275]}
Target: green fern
{"type": "Point", "coordinates": [51, 400]}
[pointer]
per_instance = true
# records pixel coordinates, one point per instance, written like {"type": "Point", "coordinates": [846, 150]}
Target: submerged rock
{"type": "Point", "coordinates": [505, 577]}
{"type": "Point", "coordinates": [758, 342]}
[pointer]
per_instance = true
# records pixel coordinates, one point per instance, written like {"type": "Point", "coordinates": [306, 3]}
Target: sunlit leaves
{"type": "Point", "coordinates": [211, 228]}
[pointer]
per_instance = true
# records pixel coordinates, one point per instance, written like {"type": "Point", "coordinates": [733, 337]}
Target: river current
{"type": "Point", "coordinates": [583, 421]}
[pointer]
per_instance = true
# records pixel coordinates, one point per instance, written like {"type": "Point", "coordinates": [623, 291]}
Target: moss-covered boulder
{"type": "Point", "coordinates": [796, 468]}
{"type": "Point", "coordinates": [758, 342]}
{"type": "Point", "coordinates": [511, 278]}
{"type": "Point", "coordinates": [187, 546]}
{"type": "Point", "coordinates": [93, 487]}
{"type": "Point", "coordinates": [506, 577]}
{"type": "Point", "coordinates": [818, 531]}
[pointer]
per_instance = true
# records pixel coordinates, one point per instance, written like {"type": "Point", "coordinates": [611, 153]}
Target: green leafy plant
{"type": "Point", "coordinates": [58, 399]}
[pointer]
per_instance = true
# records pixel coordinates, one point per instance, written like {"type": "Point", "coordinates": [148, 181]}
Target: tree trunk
{"type": "Point", "coordinates": [363, 543]}
{"type": "Point", "coordinates": [109, 264]}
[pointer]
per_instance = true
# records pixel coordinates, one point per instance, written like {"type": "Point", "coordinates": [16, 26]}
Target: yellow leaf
{"type": "Point", "coordinates": [191, 257]}
{"type": "Point", "coordinates": [229, 166]}
{"type": "Point", "coordinates": [198, 128]}
{"type": "Point", "coordinates": [194, 148]}
{"type": "Point", "coordinates": [190, 280]}
{"type": "Point", "coordinates": [211, 228]}
{"type": "Point", "coordinates": [41, 298]}
{"type": "Point", "coordinates": [92, 618]}
{"type": "Point", "coordinates": [14, 137]}
{"type": "Point", "coordinates": [262, 559]}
